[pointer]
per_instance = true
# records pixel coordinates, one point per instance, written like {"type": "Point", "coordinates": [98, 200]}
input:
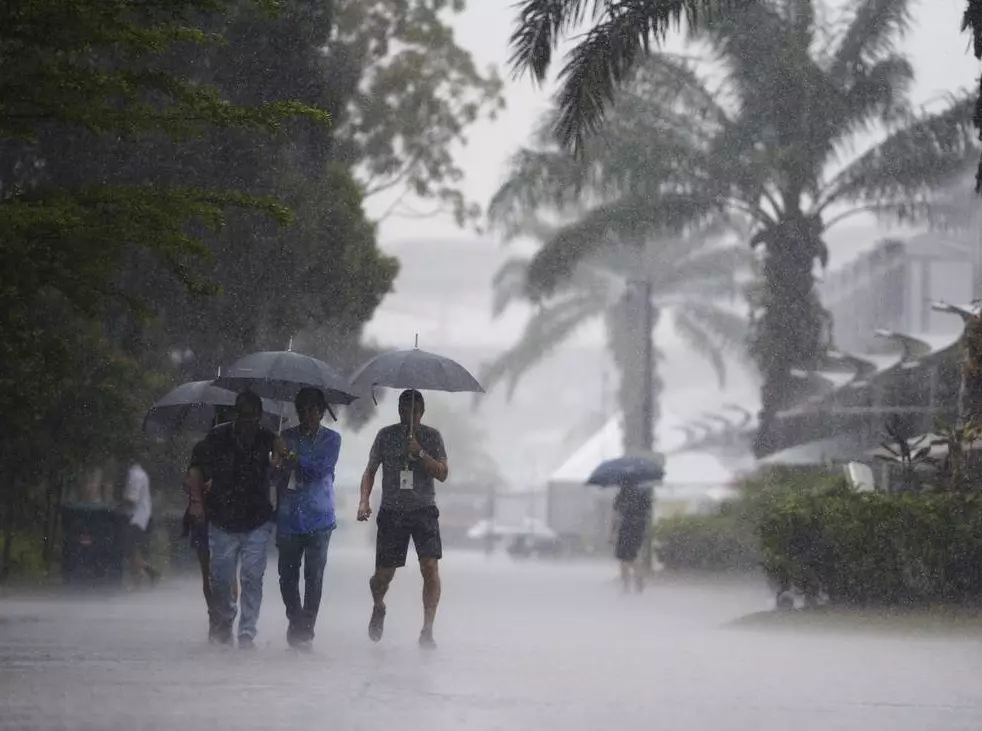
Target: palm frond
{"type": "Point", "coordinates": [701, 343]}
{"type": "Point", "coordinates": [537, 179]}
{"type": "Point", "coordinates": [508, 284]}
{"type": "Point", "coordinates": [626, 221]}
{"type": "Point", "coordinates": [541, 25]}
{"type": "Point", "coordinates": [730, 328]}
{"type": "Point", "coordinates": [901, 173]}
{"type": "Point", "coordinates": [875, 28]}
{"type": "Point", "coordinates": [712, 271]}
{"type": "Point", "coordinates": [712, 331]}
{"type": "Point", "coordinates": [609, 51]}
{"type": "Point", "coordinates": [549, 326]}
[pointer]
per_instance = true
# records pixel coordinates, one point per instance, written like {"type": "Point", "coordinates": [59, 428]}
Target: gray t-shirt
{"type": "Point", "coordinates": [391, 451]}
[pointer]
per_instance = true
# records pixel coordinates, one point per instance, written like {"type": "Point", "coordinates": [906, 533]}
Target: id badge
{"type": "Point", "coordinates": [406, 480]}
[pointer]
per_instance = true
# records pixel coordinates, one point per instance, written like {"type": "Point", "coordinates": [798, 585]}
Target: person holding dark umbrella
{"type": "Point", "coordinates": [412, 456]}
{"type": "Point", "coordinates": [305, 514]}
{"type": "Point", "coordinates": [630, 528]}
{"type": "Point", "coordinates": [235, 459]}
{"type": "Point", "coordinates": [631, 524]}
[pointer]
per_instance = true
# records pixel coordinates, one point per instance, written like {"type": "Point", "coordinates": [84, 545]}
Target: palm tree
{"type": "Point", "coordinates": [620, 36]}
{"type": "Point", "coordinates": [972, 20]}
{"type": "Point", "coordinates": [676, 277]}
{"type": "Point", "coordinates": [777, 148]}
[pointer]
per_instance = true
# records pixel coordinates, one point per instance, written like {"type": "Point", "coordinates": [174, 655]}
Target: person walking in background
{"type": "Point", "coordinates": [138, 505]}
{"type": "Point", "coordinates": [237, 458]}
{"type": "Point", "coordinates": [631, 527]}
{"type": "Point", "coordinates": [411, 456]}
{"type": "Point", "coordinates": [305, 515]}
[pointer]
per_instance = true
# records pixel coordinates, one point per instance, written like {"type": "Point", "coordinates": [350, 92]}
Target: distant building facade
{"type": "Point", "coordinates": [892, 287]}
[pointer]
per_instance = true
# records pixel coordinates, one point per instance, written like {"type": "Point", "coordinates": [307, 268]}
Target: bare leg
{"type": "Point", "coordinates": [430, 569]}
{"type": "Point", "coordinates": [625, 575]}
{"type": "Point", "coordinates": [379, 585]}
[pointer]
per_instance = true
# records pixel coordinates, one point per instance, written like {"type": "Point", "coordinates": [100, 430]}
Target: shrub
{"type": "Point", "coordinates": [727, 540]}
{"type": "Point", "coordinates": [875, 548]}
{"type": "Point", "coordinates": [721, 542]}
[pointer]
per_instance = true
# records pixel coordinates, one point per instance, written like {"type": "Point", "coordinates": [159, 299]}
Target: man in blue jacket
{"type": "Point", "coordinates": [305, 514]}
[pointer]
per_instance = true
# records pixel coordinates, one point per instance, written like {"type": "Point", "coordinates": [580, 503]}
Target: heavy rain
{"type": "Point", "coordinates": [477, 365]}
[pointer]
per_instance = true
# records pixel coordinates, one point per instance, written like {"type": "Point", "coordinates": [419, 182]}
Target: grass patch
{"type": "Point", "coordinates": [928, 622]}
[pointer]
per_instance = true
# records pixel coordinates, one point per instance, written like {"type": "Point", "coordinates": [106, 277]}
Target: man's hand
{"type": "Point", "coordinates": [364, 511]}
{"type": "Point", "coordinates": [279, 452]}
{"type": "Point", "coordinates": [414, 447]}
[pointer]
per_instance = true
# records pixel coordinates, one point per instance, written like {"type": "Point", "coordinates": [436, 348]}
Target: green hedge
{"type": "Point", "coordinates": [875, 548]}
{"type": "Point", "coordinates": [722, 542]}
{"type": "Point", "coordinates": [727, 540]}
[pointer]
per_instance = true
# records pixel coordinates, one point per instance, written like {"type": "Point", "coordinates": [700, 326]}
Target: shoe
{"type": "Point", "coordinates": [426, 640]}
{"type": "Point", "coordinates": [219, 635]}
{"type": "Point", "coordinates": [246, 643]}
{"type": "Point", "coordinates": [154, 575]}
{"type": "Point", "coordinates": [305, 646]}
{"type": "Point", "coordinates": [376, 625]}
{"type": "Point", "coordinates": [299, 639]}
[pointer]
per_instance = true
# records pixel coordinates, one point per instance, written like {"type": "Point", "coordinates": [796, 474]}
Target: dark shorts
{"type": "Point", "coordinates": [396, 527]}
{"type": "Point", "coordinates": [630, 538]}
{"type": "Point", "coordinates": [137, 539]}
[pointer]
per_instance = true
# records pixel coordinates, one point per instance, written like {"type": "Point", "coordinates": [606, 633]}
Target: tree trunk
{"type": "Point", "coordinates": [791, 329]}
{"type": "Point", "coordinates": [630, 329]}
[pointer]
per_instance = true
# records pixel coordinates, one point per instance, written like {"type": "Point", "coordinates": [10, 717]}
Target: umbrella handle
{"type": "Point", "coordinates": [331, 412]}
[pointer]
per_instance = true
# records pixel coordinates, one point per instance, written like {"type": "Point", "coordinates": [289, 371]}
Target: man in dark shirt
{"type": "Point", "coordinates": [235, 460]}
{"type": "Point", "coordinates": [411, 456]}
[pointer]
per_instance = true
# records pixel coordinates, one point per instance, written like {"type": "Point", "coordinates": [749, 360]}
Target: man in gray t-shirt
{"type": "Point", "coordinates": [411, 456]}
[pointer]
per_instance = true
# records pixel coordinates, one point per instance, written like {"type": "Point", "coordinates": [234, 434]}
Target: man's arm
{"type": "Point", "coordinates": [194, 484]}
{"type": "Point", "coordinates": [368, 481]}
{"type": "Point", "coordinates": [435, 462]}
{"type": "Point", "coordinates": [131, 493]}
{"type": "Point", "coordinates": [196, 481]}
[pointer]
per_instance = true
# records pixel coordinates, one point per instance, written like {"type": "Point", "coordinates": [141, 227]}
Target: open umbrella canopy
{"type": "Point", "coordinates": [280, 374]}
{"type": "Point", "coordinates": [192, 407]}
{"type": "Point", "coordinates": [626, 471]}
{"type": "Point", "coordinates": [414, 369]}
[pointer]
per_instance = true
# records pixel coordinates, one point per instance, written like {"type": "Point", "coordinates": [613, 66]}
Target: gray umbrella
{"type": "Point", "coordinates": [414, 369]}
{"type": "Point", "coordinates": [280, 374]}
{"type": "Point", "coordinates": [193, 406]}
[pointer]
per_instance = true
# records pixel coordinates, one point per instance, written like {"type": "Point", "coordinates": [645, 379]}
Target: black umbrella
{"type": "Point", "coordinates": [280, 374]}
{"type": "Point", "coordinates": [626, 471]}
{"type": "Point", "coordinates": [414, 369]}
{"type": "Point", "coordinates": [193, 406]}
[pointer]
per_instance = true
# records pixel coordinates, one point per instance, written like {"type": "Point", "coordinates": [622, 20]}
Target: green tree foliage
{"type": "Point", "coordinates": [417, 95]}
{"type": "Point", "coordinates": [95, 70]}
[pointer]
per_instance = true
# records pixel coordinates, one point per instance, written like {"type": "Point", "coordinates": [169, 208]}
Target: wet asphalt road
{"type": "Point", "coordinates": [522, 646]}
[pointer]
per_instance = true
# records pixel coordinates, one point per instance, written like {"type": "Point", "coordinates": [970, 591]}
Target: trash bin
{"type": "Point", "coordinates": [93, 547]}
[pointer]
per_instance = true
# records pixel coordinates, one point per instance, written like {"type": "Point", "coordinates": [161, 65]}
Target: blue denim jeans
{"type": "Point", "coordinates": [227, 551]}
{"type": "Point", "coordinates": [311, 549]}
